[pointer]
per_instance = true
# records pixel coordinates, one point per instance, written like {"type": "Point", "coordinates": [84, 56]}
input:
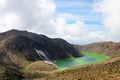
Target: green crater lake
{"type": "Point", "coordinates": [89, 58]}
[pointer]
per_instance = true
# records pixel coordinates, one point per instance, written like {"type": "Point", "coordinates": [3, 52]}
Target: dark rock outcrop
{"type": "Point", "coordinates": [20, 46]}
{"type": "Point", "coordinates": [18, 49]}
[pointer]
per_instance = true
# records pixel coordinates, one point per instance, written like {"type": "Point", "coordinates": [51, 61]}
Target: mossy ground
{"type": "Point", "coordinates": [23, 70]}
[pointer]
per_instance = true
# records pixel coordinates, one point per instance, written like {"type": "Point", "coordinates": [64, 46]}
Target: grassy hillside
{"type": "Point", "coordinates": [108, 70]}
{"type": "Point", "coordinates": [111, 49]}
{"type": "Point", "coordinates": [38, 69]}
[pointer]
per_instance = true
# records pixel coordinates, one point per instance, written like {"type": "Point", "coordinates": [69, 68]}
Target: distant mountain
{"type": "Point", "coordinates": [110, 49]}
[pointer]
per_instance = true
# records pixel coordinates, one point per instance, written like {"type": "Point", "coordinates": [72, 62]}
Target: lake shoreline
{"type": "Point", "coordinates": [89, 58]}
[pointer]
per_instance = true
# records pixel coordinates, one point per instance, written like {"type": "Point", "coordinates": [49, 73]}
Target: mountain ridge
{"type": "Point", "coordinates": [111, 49]}
{"type": "Point", "coordinates": [18, 50]}
{"type": "Point", "coordinates": [21, 50]}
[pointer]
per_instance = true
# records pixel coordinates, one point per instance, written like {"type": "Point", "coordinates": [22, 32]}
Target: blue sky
{"type": "Point", "coordinates": [77, 21]}
{"type": "Point", "coordinates": [83, 9]}
{"type": "Point", "coordinates": [97, 16]}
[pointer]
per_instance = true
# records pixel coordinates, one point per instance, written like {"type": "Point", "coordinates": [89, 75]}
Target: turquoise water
{"type": "Point", "coordinates": [89, 58]}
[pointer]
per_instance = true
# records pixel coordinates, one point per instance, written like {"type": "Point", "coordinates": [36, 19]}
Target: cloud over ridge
{"type": "Point", "coordinates": [44, 16]}
{"type": "Point", "coordinates": [110, 10]}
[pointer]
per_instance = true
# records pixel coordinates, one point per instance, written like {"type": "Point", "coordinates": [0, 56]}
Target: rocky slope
{"type": "Point", "coordinates": [25, 46]}
{"type": "Point", "coordinates": [22, 54]}
{"type": "Point", "coordinates": [18, 49]}
{"type": "Point", "coordinates": [110, 49]}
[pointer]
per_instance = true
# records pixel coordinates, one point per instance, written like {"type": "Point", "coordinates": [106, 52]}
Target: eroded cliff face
{"type": "Point", "coordinates": [110, 49]}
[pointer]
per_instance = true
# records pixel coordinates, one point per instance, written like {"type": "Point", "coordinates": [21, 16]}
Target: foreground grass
{"type": "Point", "coordinates": [108, 70]}
{"type": "Point", "coordinates": [39, 70]}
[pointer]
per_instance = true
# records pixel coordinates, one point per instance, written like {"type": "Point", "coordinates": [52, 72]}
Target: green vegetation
{"type": "Point", "coordinates": [89, 58]}
{"type": "Point", "coordinates": [99, 57]}
{"type": "Point", "coordinates": [106, 70]}
{"type": "Point", "coordinates": [23, 70]}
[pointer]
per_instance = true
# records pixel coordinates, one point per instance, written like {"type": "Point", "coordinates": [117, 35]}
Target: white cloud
{"type": "Point", "coordinates": [2, 3]}
{"type": "Point", "coordinates": [9, 21]}
{"type": "Point", "coordinates": [40, 16]}
{"type": "Point", "coordinates": [72, 32]}
{"type": "Point", "coordinates": [34, 15]}
{"type": "Point", "coordinates": [110, 9]}
{"type": "Point", "coordinates": [96, 37]}
{"type": "Point", "coordinates": [71, 29]}
{"type": "Point", "coordinates": [77, 32]}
